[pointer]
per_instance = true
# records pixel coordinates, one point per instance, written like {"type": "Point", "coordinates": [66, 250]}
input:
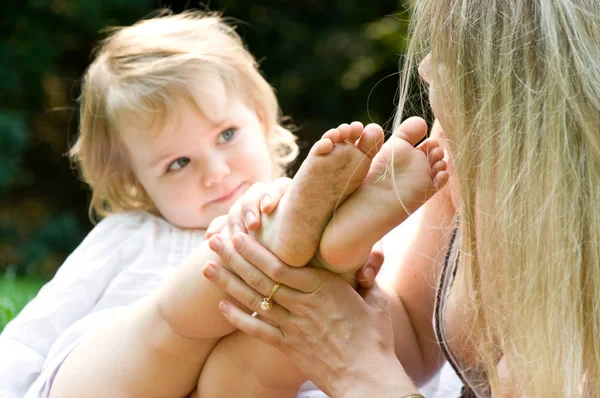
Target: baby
{"type": "Point", "coordinates": [176, 124]}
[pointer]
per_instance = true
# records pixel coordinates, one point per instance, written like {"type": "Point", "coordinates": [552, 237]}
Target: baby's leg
{"type": "Point", "coordinates": [155, 347]}
{"type": "Point", "coordinates": [400, 180]}
{"type": "Point", "coordinates": [242, 366]}
{"type": "Point", "coordinates": [334, 168]}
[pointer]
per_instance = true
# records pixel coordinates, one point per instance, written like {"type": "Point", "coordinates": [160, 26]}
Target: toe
{"type": "Point", "coordinates": [438, 167]}
{"type": "Point", "coordinates": [441, 179]}
{"type": "Point", "coordinates": [345, 131]}
{"type": "Point", "coordinates": [428, 146]}
{"type": "Point", "coordinates": [371, 140]}
{"type": "Point", "coordinates": [332, 134]}
{"type": "Point", "coordinates": [322, 147]}
{"type": "Point", "coordinates": [412, 130]}
{"type": "Point", "coordinates": [356, 129]}
{"type": "Point", "coordinates": [435, 155]}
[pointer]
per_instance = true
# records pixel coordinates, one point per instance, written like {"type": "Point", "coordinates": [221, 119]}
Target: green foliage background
{"type": "Point", "coordinates": [329, 61]}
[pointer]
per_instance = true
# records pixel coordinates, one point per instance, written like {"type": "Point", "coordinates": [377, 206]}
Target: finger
{"type": "Point", "coordinates": [235, 222]}
{"type": "Point", "coordinates": [275, 190]}
{"type": "Point", "coordinates": [377, 257]}
{"type": "Point", "coordinates": [241, 292]}
{"type": "Point", "coordinates": [303, 279]}
{"type": "Point", "coordinates": [250, 205]}
{"type": "Point", "coordinates": [216, 226]}
{"type": "Point", "coordinates": [253, 277]}
{"type": "Point", "coordinates": [252, 326]}
{"type": "Point", "coordinates": [365, 276]}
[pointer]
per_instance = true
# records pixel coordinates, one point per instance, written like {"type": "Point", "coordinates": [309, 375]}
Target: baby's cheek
{"type": "Point", "coordinates": [173, 205]}
{"type": "Point", "coordinates": [257, 165]}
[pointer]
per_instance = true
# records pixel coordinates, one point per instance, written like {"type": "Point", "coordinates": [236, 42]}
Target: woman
{"type": "Point", "coordinates": [506, 261]}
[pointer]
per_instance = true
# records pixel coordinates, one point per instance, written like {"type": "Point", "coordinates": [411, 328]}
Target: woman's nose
{"type": "Point", "coordinates": [425, 69]}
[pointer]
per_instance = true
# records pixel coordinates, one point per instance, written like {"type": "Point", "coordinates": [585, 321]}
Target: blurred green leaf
{"type": "Point", "coordinates": [14, 294]}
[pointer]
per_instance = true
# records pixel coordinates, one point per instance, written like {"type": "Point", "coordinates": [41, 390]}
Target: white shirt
{"type": "Point", "coordinates": [125, 257]}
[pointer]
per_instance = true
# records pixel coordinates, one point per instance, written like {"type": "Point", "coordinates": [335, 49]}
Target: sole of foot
{"type": "Point", "coordinates": [402, 177]}
{"type": "Point", "coordinates": [336, 165]}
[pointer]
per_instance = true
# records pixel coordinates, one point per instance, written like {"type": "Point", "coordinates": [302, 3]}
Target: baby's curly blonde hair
{"type": "Point", "coordinates": [138, 74]}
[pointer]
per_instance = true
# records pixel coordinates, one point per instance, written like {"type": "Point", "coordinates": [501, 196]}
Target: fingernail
{"type": "Point", "coordinates": [209, 271]}
{"type": "Point", "coordinates": [224, 307]}
{"type": "Point", "coordinates": [265, 201]}
{"type": "Point", "coordinates": [215, 243]}
{"type": "Point", "coordinates": [239, 242]}
{"type": "Point", "coordinates": [250, 218]}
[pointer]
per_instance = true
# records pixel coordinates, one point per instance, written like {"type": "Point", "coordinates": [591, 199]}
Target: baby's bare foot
{"type": "Point", "coordinates": [400, 180]}
{"type": "Point", "coordinates": [336, 165]}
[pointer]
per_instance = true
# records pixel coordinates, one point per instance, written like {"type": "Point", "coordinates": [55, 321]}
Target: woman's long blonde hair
{"type": "Point", "coordinates": [518, 82]}
{"type": "Point", "coordinates": [139, 73]}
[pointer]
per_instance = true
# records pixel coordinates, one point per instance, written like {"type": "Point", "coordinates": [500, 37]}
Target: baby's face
{"type": "Point", "coordinates": [196, 168]}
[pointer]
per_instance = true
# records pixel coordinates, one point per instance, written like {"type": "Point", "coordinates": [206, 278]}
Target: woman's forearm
{"type": "Point", "coordinates": [386, 378]}
{"type": "Point", "coordinates": [410, 283]}
{"type": "Point", "coordinates": [406, 344]}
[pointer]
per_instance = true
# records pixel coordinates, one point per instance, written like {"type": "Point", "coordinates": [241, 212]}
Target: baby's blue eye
{"type": "Point", "coordinates": [178, 164]}
{"type": "Point", "coordinates": [226, 135]}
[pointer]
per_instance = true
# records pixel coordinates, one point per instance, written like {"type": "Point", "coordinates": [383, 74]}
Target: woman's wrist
{"type": "Point", "coordinates": [389, 380]}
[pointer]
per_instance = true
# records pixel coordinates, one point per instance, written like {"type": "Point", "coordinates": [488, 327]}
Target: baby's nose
{"type": "Point", "coordinates": [215, 171]}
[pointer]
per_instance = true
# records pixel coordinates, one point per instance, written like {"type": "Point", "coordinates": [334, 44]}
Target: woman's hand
{"type": "Point", "coordinates": [263, 198]}
{"type": "Point", "coordinates": [342, 342]}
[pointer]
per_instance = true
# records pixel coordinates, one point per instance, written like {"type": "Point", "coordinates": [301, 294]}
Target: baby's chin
{"type": "Point", "coordinates": [189, 223]}
{"type": "Point", "coordinates": [195, 218]}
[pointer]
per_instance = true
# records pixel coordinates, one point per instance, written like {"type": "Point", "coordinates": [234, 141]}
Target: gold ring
{"type": "Point", "coordinates": [266, 304]}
